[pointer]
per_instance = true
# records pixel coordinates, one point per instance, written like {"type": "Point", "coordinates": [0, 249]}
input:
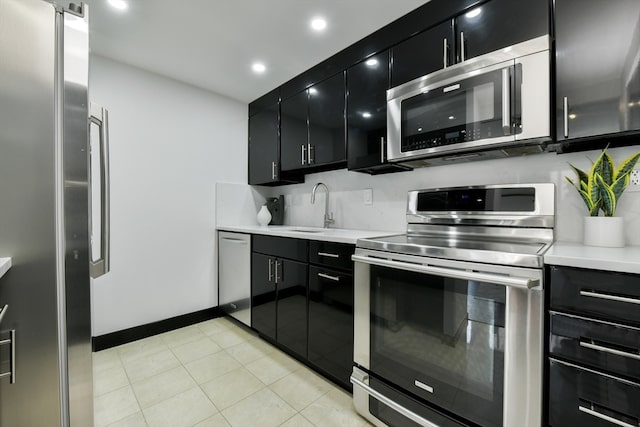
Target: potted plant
{"type": "Point", "coordinates": [600, 190]}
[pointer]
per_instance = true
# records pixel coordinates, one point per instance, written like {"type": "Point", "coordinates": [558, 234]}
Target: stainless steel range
{"type": "Point", "coordinates": [449, 316]}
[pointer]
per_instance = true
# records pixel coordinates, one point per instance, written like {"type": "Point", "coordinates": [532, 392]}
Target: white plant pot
{"type": "Point", "coordinates": [604, 231]}
{"type": "Point", "coordinates": [264, 216]}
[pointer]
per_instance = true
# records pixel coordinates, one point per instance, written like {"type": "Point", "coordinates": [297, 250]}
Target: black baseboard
{"type": "Point", "coordinates": [117, 338]}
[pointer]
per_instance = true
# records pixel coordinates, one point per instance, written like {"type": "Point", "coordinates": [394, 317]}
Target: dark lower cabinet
{"type": "Point", "coordinates": [263, 295]}
{"type": "Point", "coordinates": [291, 317]}
{"type": "Point", "coordinates": [597, 72]}
{"type": "Point", "coordinates": [331, 322]}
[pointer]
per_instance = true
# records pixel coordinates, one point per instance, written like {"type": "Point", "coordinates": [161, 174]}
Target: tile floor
{"type": "Point", "coordinates": [212, 374]}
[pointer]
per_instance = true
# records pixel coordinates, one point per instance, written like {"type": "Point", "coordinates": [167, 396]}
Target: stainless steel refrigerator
{"type": "Point", "coordinates": [45, 214]}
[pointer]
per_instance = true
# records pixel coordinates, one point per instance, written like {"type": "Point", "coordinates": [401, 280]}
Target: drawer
{"type": "Point", "coordinates": [330, 254]}
{"type": "Point", "coordinates": [602, 345]}
{"type": "Point", "coordinates": [588, 398]}
{"type": "Point", "coordinates": [281, 247]}
{"type": "Point", "coordinates": [608, 295]}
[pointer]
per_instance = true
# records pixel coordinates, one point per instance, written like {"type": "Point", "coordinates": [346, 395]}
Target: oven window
{"type": "Point", "coordinates": [466, 111]}
{"type": "Point", "coordinates": [440, 339]}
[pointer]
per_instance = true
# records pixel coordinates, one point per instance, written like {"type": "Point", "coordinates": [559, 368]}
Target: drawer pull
{"type": "Point", "coordinates": [609, 350]}
{"type": "Point", "coordinates": [604, 417]}
{"type": "Point", "coordinates": [328, 255]}
{"type": "Point", "coordinates": [592, 294]}
{"type": "Point", "coordinates": [326, 276]}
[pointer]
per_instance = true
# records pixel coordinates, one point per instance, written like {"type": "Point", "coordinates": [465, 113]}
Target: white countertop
{"type": "Point", "coordinates": [338, 235]}
{"type": "Point", "coordinates": [5, 265]}
{"type": "Point", "coordinates": [623, 260]}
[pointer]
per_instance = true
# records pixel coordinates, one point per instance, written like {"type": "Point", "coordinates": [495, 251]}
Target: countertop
{"type": "Point", "coordinates": [5, 265]}
{"type": "Point", "coordinates": [623, 260]}
{"type": "Point", "coordinates": [339, 235]}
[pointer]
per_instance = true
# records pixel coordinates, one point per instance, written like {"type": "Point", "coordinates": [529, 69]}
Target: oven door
{"type": "Point", "coordinates": [465, 337]}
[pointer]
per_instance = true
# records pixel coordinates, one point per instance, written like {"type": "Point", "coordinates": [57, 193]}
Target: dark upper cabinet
{"type": "Point", "coordinates": [264, 150]}
{"type": "Point", "coordinates": [497, 24]}
{"type": "Point", "coordinates": [423, 54]}
{"type": "Point", "coordinates": [597, 70]}
{"type": "Point", "coordinates": [491, 26]}
{"type": "Point", "coordinates": [312, 127]}
{"type": "Point", "coordinates": [367, 84]}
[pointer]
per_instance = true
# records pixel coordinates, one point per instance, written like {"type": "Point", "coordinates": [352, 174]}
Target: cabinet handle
{"type": "Point", "coordinates": [445, 50]}
{"type": "Point", "coordinates": [609, 350]}
{"type": "Point", "coordinates": [608, 297]}
{"type": "Point", "coordinates": [12, 357]}
{"type": "Point", "coordinates": [565, 109]}
{"type": "Point", "coordinates": [328, 255]}
{"type": "Point", "coordinates": [270, 269]}
{"type": "Point", "coordinates": [326, 276]}
{"type": "Point", "coordinates": [462, 46]}
{"type": "Point", "coordinates": [3, 312]}
{"type": "Point", "coordinates": [506, 102]}
{"type": "Point", "coordinates": [310, 149]}
{"type": "Point", "coordinates": [278, 264]}
{"type": "Point", "coordinates": [603, 417]}
{"type": "Point", "coordinates": [382, 149]}
{"type": "Point", "coordinates": [274, 173]}
{"type": "Point", "coordinates": [304, 154]}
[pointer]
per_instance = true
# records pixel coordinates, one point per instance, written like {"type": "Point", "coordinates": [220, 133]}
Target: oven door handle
{"type": "Point", "coordinates": [516, 282]}
{"type": "Point", "coordinates": [390, 403]}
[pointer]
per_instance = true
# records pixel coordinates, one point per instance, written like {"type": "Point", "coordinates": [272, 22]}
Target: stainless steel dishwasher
{"type": "Point", "coordinates": [234, 275]}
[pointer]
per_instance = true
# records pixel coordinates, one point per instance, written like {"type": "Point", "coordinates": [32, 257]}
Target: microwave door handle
{"type": "Point", "coordinates": [516, 282]}
{"type": "Point", "coordinates": [506, 101]}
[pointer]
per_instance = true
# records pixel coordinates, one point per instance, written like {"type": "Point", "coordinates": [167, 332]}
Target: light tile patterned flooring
{"type": "Point", "coordinates": [212, 374]}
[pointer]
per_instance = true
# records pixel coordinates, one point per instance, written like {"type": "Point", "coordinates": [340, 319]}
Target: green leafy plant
{"type": "Point", "coordinates": [602, 187]}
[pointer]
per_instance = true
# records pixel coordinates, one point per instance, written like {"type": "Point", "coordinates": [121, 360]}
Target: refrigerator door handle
{"type": "Point", "coordinates": [99, 116]}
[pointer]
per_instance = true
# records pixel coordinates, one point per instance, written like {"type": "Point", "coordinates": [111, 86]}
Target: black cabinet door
{"type": "Point", "coordinates": [423, 54]}
{"type": "Point", "coordinates": [498, 24]}
{"type": "Point", "coordinates": [597, 72]}
{"type": "Point", "coordinates": [264, 165]}
{"type": "Point", "coordinates": [326, 122]}
{"type": "Point", "coordinates": [367, 84]}
{"type": "Point", "coordinates": [331, 322]}
{"type": "Point", "coordinates": [263, 295]}
{"type": "Point", "coordinates": [293, 131]}
{"type": "Point", "coordinates": [292, 305]}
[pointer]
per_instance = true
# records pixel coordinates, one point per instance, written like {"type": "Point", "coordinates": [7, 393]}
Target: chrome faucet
{"type": "Point", "coordinates": [328, 216]}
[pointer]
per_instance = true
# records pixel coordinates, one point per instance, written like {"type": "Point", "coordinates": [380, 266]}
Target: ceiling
{"type": "Point", "coordinates": [212, 43]}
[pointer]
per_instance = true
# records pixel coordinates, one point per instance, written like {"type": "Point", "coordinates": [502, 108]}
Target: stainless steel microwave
{"type": "Point", "coordinates": [494, 105]}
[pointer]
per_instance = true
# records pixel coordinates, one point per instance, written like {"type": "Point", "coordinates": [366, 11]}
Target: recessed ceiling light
{"type": "Point", "coordinates": [366, 115]}
{"type": "Point", "coordinates": [371, 62]}
{"type": "Point", "coordinates": [318, 24]}
{"type": "Point", "coordinates": [452, 117]}
{"type": "Point", "coordinates": [473, 13]}
{"type": "Point", "coordinates": [258, 67]}
{"type": "Point", "coordinates": [118, 4]}
{"type": "Point", "coordinates": [313, 91]}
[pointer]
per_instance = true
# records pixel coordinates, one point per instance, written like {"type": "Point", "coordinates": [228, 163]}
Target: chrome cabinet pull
{"type": "Point", "coordinates": [516, 282]}
{"type": "Point", "coordinates": [100, 117]}
{"type": "Point", "coordinates": [278, 265]}
{"type": "Point", "coordinates": [565, 109]}
{"type": "Point", "coordinates": [11, 341]}
{"type": "Point", "coordinates": [593, 294]}
{"type": "Point", "coordinates": [274, 173]}
{"type": "Point", "coordinates": [603, 417]}
{"type": "Point", "coordinates": [609, 350]}
{"type": "Point", "coordinates": [445, 49]}
{"type": "Point", "coordinates": [506, 102]}
{"type": "Point", "coordinates": [462, 46]}
{"type": "Point", "coordinates": [326, 276]}
{"type": "Point", "coordinates": [310, 158]}
{"type": "Point", "coordinates": [382, 149]}
{"type": "Point", "coordinates": [270, 270]}
{"type": "Point", "coordinates": [390, 403]}
{"type": "Point", "coordinates": [3, 312]}
{"type": "Point", "coordinates": [304, 154]}
{"type": "Point", "coordinates": [327, 254]}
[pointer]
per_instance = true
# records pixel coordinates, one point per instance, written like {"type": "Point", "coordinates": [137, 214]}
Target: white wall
{"type": "Point", "coordinates": [390, 192]}
{"type": "Point", "coordinates": [170, 144]}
